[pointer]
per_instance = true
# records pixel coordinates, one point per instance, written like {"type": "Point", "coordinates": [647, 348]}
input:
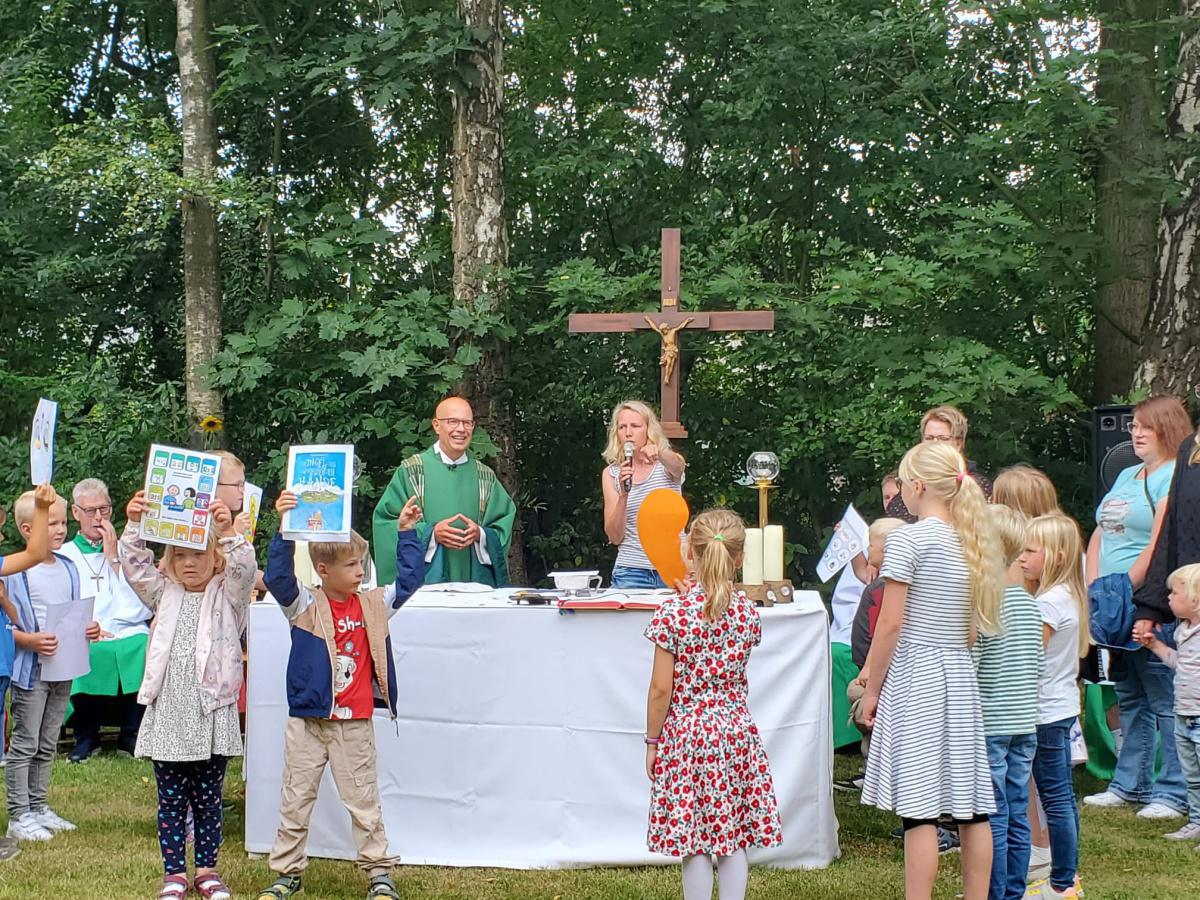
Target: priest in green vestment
{"type": "Point", "coordinates": [467, 515]}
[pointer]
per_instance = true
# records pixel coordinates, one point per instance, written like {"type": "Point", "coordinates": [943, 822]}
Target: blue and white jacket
{"type": "Point", "coordinates": [310, 668]}
{"type": "Point", "coordinates": [26, 669]}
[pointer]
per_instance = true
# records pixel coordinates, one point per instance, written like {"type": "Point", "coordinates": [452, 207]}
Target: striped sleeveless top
{"type": "Point", "coordinates": [630, 552]}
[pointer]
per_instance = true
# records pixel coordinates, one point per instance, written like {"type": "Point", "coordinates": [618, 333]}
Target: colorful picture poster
{"type": "Point", "coordinates": [180, 485]}
{"type": "Point", "coordinates": [252, 503]}
{"type": "Point", "coordinates": [41, 442]}
{"type": "Point", "coordinates": [322, 477]}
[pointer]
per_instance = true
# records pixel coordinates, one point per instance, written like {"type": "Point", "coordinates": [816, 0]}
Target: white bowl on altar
{"type": "Point", "coordinates": [576, 581]}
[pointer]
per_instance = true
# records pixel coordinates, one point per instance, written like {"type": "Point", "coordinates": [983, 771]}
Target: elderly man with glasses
{"type": "Point", "coordinates": [110, 690]}
{"type": "Point", "coordinates": [467, 514]}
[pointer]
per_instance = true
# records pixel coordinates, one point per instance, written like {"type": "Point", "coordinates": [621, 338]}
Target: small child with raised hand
{"type": "Point", "coordinates": [1185, 660]}
{"type": "Point", "coordinates": [190, 690]}
{"type": "Point", "coordinates": [38, 705]}
{"type": "Point", "coordinates": [1008, 667]}
{"type": "Point", "coordinates": [340, 662]}
{"type": "Point", "coordinates": [712, 792]}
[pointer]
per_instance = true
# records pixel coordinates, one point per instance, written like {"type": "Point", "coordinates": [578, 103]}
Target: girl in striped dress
{"type": "Point", "coordinates": [943, 584]}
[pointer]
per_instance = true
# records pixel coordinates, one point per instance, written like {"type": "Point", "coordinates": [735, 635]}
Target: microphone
{"type": "Point", "coordinates": [628, 482]}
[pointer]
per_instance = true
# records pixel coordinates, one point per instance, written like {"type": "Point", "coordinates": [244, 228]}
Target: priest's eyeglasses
{"type": "Point", "coordinates": [102, 511]}
{"type": "Point", "coordinates": [456, 423]}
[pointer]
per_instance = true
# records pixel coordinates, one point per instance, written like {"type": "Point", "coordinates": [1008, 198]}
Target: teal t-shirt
{"type": "Point", "coordinates": [1125, 516]}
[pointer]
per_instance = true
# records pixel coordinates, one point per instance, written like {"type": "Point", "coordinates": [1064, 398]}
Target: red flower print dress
{"type": "Point", "coordinates": [712, 789]}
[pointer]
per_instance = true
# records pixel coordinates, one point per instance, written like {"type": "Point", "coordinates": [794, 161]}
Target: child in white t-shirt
{"type": "Point", "coordinates": [1053, 548]}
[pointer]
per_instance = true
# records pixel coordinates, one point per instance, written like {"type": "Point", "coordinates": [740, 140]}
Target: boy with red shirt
{"type": "Point", "coordinates": [339, 665]}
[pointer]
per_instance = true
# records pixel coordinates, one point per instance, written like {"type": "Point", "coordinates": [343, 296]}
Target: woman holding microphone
{"type": "Point", "coordinates": [640, 460]}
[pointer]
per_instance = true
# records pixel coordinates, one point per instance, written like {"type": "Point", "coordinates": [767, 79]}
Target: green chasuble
{"type": "Point", "coordinates": [117, 664]}
{"type": "Point", "coordinates": [470, 489]}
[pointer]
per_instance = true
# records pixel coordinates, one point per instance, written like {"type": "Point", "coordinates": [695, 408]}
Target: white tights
{"type": "Point", "coordinates": [733, 871]}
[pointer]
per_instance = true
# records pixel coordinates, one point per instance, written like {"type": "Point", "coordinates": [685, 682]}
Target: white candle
{"type": "Point", "coordinates": [772, 551]}
{"type": "Point", "coordinates": [752, 550]}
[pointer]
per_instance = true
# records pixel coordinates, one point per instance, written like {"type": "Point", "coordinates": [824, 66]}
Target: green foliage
{"type": "Point", "coordinates": [908, 186]}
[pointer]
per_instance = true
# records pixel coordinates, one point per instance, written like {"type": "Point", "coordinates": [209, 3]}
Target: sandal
{"type": "Point", "coordinates": [285, 886]}
{"type": "Point", "coordinates": [382, 886]}
{"type": "Point", "coordinates": [174, 887]}
{"type": "Point", "coordinates": [211, 887]}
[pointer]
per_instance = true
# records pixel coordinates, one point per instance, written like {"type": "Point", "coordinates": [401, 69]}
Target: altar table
{"type": "Point", "coordinates": [519, 737]}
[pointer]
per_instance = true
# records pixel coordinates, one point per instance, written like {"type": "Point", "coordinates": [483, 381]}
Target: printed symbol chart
{"type": "Point", "coordinates": [180, 485]}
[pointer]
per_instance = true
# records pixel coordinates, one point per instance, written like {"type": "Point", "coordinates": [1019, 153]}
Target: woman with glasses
{"type": "Point", "coordinates": [943, 424]}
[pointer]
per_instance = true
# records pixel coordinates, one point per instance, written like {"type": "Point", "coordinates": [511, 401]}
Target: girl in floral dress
{"type": "Point", "coordinates": [712, 791]}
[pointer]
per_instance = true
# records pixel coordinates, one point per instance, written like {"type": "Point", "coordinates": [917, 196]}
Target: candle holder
{"type": "Point", "coordinates": [763, 468]}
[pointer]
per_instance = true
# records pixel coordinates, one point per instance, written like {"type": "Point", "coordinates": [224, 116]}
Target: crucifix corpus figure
{"type": "Point", "coordinates": [670, 348]}
{"type": "Point", "coordinates": [667, 322]}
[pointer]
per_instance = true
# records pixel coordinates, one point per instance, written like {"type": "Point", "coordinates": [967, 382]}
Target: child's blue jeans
{"type": "Point", "coordinates": [1052, 774]}
{"type": "Point", "coordinates": [1010, 757]}
{"type": "Point", "coordinates": [1187, 742]}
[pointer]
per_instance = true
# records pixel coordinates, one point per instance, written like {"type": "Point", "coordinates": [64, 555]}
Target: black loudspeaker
{"type": "Point", "coordinates": [1112, 447]}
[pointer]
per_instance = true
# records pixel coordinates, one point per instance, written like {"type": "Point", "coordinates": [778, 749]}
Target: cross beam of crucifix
{"type": "Point", "coordinates": [668, 321]}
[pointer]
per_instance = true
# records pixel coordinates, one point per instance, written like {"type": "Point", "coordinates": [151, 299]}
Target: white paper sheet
{"type": "Point", "coordinates": [847, 542]}
{"type": "Point", "coordinates": [41, 442]}
{"type": "Point", "coordinates": [68, 622]}
{"type": "Point", "coordinates": [252, 503]}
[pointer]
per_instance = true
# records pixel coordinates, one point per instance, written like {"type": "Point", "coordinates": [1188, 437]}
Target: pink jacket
{"type": "Point", "coordinates": [222, 618]}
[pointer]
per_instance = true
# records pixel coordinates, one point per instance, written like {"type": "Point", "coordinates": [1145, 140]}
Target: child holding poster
{"type": "Point", "coordinates": [193, 676]}
{"type": "Point", "coordinates": [38, 705]}
{"type": "Point", "coordinates": [341, 646]}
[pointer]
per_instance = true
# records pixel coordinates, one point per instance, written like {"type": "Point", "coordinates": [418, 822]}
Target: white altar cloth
{"type": "Point", "coordinates": [518, 742]}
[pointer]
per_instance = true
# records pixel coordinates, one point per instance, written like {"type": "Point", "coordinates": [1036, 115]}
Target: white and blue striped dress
{"type": "Point", "coordinates": [928, 754]}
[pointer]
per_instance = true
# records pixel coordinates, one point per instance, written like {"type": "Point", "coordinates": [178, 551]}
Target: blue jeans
{"type": "Point", "coordinates": [1147, 698]}
{"type": "Point", "coordinates": [1010, 757]}
{"type": "Point", "coordinates": [1187, 743]}
{"type": "Point", "coordinates": [628, 577]}
{"type": "Point", "coordinates": [1052, 774]}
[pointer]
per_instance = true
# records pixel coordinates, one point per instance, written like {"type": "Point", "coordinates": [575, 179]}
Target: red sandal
{"type": "Point", "coordinates": [174, 887]}
{"type": "Point", "coordinates": [211, 887]}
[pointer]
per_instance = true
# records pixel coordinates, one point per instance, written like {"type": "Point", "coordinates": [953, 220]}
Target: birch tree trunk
{"type": "Point", "coordinates": [1170, 357]}
{"type": "Point", "coordinates": [201, 267]}
{"type": "Point", "coordinates": [481, 237]}
{"type": "Point", "coordinates": [1127, 207]}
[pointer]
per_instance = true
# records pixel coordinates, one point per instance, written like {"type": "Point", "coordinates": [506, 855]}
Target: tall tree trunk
{"type": "Point", "coordinates": [481, 236]}
{"type": "Point", "coordinates": [201, 267]}
{"type": "Point", "coordinates": [1170, 357]}
{"type": "Point", "coordinates": [1127, 206]}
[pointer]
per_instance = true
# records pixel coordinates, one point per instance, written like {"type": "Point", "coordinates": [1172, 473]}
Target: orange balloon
{"type": "Point", "coordinates": [664, 514]}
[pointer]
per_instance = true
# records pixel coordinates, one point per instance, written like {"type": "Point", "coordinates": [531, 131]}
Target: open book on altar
{"type": "Point", "coordinates": [615, 601]}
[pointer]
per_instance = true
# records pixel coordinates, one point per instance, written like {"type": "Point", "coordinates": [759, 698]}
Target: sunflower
{"type": "Point", "coordinates": [211, 424]}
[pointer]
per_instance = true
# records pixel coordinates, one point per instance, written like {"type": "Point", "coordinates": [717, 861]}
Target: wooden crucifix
{"type": "Point", "coordinates": [668, 321]}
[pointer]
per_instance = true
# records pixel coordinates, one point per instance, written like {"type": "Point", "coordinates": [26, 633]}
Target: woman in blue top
{"type": "Point", "coordinates": [626, 483]}
{"type": "Point", "coordinates": [1128, 520]}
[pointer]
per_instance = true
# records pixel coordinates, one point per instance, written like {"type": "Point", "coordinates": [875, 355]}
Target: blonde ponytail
{"type": "Point", "coordinates": [716, 541]}
{"type": "Point", "coordinates": [943, 471]}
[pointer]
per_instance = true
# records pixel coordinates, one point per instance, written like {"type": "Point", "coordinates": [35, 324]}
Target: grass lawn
{"type": "Point", "coordinates": [114, 854]}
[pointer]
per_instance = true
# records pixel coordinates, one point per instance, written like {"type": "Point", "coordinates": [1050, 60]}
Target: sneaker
{"type": "Point", "coordinates": [82, 753]}
{"type": "Point", "coordinates": [52, 821]}
{"type": "Point", "coordinates": [27, 828]}
{"type": "Point", "coordinates": [948, 841]}
{"type": "Point", "coordinates": [1078, 886]}
{"type": "Point", "coordinates": [1189, 832]}
{"type": "Point", "coordinates": [1039, 864]}
{"type": "Point", "coordinates": [850, 784]}
{"type": "Point", "coordinates": [1036, 890]}
{"type": "Point", "coordinates": [1158, 811]}
{"type": "Point", "coordinates": [1105, 799]}
{"type": "Point", "coordinates": [1049, 893]}
{"type": "Point", "coordinates": [8, 849]}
